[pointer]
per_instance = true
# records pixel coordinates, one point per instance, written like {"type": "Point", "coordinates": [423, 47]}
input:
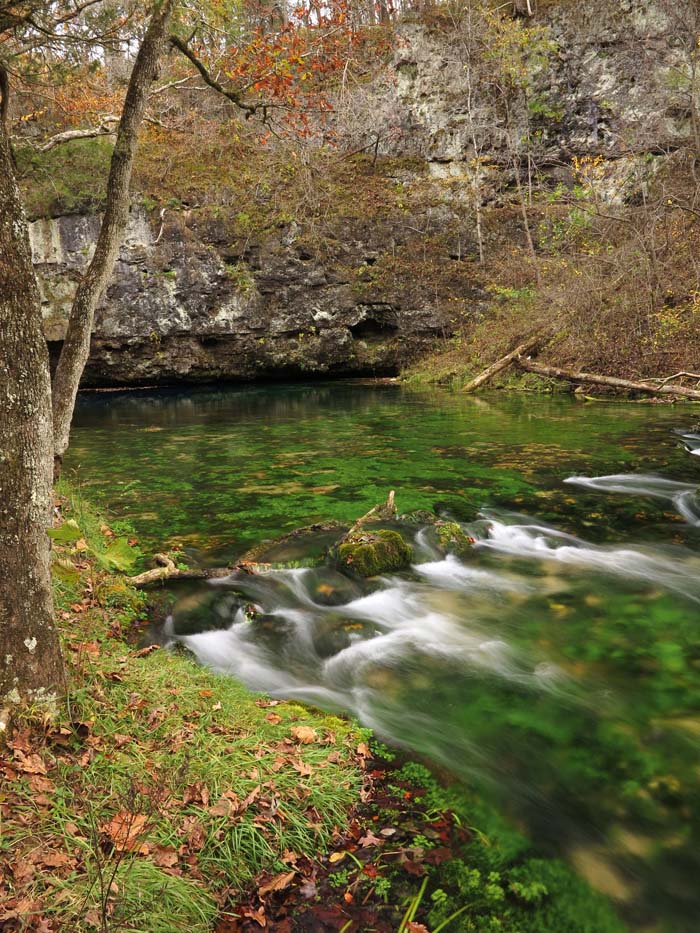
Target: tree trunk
{"type": "Point", "coordinates": [31, 667]}
{"type": "Point", "coordinates": [76, 347]}
{"type": "Point", "coordinates": [613, 381]}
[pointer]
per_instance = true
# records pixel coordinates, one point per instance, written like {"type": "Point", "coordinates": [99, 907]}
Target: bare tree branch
{"type": "Point", "coordinates": [234, 96]}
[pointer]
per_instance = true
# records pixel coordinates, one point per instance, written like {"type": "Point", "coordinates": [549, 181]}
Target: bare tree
{"type": "Point", "coordinates": [76, 346]}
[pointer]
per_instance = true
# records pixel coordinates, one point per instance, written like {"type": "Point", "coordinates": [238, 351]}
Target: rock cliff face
{"type": "Point", "coordinates": [184, 305]}
{"type": "Point", "coordinates": [176, 310]}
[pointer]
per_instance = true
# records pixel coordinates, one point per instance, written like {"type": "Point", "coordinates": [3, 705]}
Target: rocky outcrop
{"type": "Point", "coordinates": [609, 79]}
{"type": "Point", "coordinates": [179, 310]}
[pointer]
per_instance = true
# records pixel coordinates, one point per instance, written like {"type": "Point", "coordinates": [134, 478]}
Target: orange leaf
{"type": "Point", "coordinates": [124, 830]}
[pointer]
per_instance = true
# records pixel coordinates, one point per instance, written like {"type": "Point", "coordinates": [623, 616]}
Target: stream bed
{"type": "Point", "coordinates": [556, 667]}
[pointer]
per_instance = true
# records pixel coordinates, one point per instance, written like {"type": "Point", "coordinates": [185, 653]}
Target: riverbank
{"type": "Point", "coordinates": [168, 798]}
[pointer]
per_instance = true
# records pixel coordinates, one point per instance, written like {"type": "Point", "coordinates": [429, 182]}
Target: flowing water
{"type": "Point", "coordinates": [557, 667]}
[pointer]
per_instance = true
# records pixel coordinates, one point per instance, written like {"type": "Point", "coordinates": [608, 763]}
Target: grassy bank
{"type": "Point", "coordinates": [163, 789]}
{"type": "Point", "coordinates": [166, 798]}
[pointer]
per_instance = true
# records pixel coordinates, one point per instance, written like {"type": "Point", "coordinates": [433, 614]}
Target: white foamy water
{"type": "Point", "coordinates": [684, 496]}
{"type": "Point", "coordinates": [679, 573]}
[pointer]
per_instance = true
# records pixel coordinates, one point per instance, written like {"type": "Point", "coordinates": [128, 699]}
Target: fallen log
{"type": "Point", "coordinates": [555, 372]}
{"type": "Point", "coordinates": [504, 362]}
{"type": "Point", "coordinates": [167, 570]}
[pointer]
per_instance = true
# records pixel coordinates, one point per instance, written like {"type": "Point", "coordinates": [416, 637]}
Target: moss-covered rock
{"type": "Point", "coordinates": [452, 539]}
{"type": "Point", "coordinates": [371, 553]}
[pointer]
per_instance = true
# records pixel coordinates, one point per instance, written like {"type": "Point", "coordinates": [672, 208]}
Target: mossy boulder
{"type": "Point", "coordinates": [373, 552]}
{"type": "Point", "coordinates": [451, 538]}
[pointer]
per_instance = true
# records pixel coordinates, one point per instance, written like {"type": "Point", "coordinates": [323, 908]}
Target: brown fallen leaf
{"type": "Point", "coordinates": [253, 795]}
{"type": "Point", "coordinates": [369, 840]}
{"type": "Point", "coordinates": [196, 793]}
{"type": "Point", "coordinates": [40, 784]}
{"type": "Point", "coordinates": [278, 883]}
{"type": "Point", "coordinates": [22, 871]}
{"type": "Point", "coordinates": [29, 764]}
{"type": "Point", "coordinates": [164, 856]}
{"type": "Point", "coordinates": [142, 652]}
{"type": "Point", "coordinates": [273, 718]}
{"type": "Point", "coordinates": [21, 741]}
{"type": "Point", "coordinates": [227, 805]}
{"type": "Point", "coordinates": [54, 859]}
{"type": "Point", "coordinates": [125, 829]}
{"type": "Point", "coordinates": [257, 915]}
{"type": "Point", "coordinates": [305, 735]}
{"type": "Point", "coordinates": [301, 767]}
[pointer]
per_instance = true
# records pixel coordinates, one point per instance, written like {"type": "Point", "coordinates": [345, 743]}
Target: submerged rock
{"type": "Point", "coordinates": [206, 609]}
{"type": "Point", "coordinates": [371, 553]}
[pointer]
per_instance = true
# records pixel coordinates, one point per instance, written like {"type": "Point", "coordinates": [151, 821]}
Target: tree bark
{"type": "Point", "coordinates": [76, 346]}
{"type": "Point", "coordinates": [503, 363]}
{"type": "Point", "coordinates": [31, 667]}
{"type": "Point", "coordinates": [613, 381]}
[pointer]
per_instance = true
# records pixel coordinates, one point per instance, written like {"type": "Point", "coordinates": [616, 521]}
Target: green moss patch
{"type": "Point", "coordinates": [371, 553]}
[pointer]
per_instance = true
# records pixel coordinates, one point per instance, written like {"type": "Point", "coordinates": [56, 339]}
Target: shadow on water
{"type": "Point", "coordinates": [558, 667]}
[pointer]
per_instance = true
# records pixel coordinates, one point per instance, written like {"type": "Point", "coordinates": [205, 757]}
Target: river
{"type": "Point", "coordinates": [557, 668]}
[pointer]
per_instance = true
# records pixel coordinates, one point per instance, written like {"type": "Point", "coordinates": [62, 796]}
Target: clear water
{"type": "Point", "coordinates": [558, 667]}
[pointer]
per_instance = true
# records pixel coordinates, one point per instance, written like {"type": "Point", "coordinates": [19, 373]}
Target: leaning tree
{"type": "Point", "coordinates": [34, 421]}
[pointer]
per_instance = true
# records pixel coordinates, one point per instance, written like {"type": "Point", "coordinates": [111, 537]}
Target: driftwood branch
{"type": "Point", "coordinates": [167, 570]}
{"type": "Point", "coordinates": [504, 362]}
{"type": "Point", "coordinates": [382, 512]}
{"type": "Point", "coordinates": [593, 379]}
{"type": "Point", "coordinates": [106, 128]}
{"type": "Point", "coordinates": [680, 375]}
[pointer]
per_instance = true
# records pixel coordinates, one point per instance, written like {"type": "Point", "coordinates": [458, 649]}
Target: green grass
{"type": "Point", "coordinates": [212, 779]}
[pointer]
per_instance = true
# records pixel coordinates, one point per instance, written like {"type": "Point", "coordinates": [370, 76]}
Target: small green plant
{"type": "Point", "coordinates": [239, 273]}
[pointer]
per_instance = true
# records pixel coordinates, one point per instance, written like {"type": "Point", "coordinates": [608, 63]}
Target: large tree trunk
{"type": "Point", "coordinates": [31, 667]}
{"type": "Point", "coordinates": [76, 347]}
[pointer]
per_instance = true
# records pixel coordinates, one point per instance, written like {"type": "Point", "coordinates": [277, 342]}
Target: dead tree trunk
{"type": "Point", "coordinates": [503, 363]}
{"type": "Point", "coordinates": [31, 667]}
{"type": "Point", "coordinates": [612, 381]}
{"type": "Point", "coordinates": [76, 347]}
